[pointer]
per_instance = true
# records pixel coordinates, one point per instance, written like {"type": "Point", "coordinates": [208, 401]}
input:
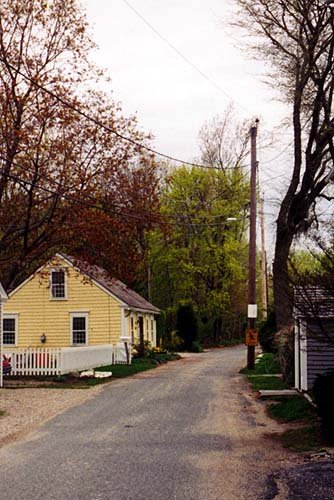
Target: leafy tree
{"type": "Point", "coordinates": [304, 262]}
{"type": "Point", "coordinates": [201, 257]}
{"type": "Point", "coordinates": [65, 182]}
{"type": "Point", "coordinates": [296, 38]}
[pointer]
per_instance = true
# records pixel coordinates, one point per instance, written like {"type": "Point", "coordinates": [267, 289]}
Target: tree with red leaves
{"type": "Point", "coordinates": [65, 182]}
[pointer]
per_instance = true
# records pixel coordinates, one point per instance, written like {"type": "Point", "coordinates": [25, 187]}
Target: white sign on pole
{"type": "Point", "coordinates": [252, 310]}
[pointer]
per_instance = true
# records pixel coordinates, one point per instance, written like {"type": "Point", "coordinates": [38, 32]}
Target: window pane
{"type": "Point", "coordinates": [79, 329]}
{"type": "Point", "coordinates": [79, 337]}
{"type": "Point", "coordinates": [58, 277]}
{"type": "Point", "coordinates": [8, 334]}
{"type": "Point", "coordinates": [58, 284]}
{"type": "Point", "coordinates": [79, 323]}
{"type": "Point", "coordinates": [9, 324]}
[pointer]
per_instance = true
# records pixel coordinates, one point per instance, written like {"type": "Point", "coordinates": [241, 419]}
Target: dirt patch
{"type": "Point", "coordinates": [236, 414]}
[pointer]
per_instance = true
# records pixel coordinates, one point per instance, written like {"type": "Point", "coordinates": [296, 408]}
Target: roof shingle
{"type": "Point", "coordinates": [113, 285]}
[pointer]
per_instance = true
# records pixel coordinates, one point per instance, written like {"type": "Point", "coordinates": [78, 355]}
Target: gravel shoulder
{"type": "Point", "coordinates": [26, 409]}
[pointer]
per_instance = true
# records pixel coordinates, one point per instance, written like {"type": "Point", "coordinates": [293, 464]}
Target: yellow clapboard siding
{"type": "Point", "coordinates": [39, 315]}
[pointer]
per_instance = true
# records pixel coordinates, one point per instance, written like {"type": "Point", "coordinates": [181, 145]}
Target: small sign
{"type": "Point", "coordinates": [252, 311]}
{"type": "Point", "coordinates": [252, 336]}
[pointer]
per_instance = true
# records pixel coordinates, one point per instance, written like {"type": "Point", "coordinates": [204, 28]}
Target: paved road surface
{"type": "Point", "coordinates": [187, 430]}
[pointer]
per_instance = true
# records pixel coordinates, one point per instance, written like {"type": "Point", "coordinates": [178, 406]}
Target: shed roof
{"type": "Point", "coordinates": [313, 301]}
{"type": "Point", "coordinates": [113, 285]}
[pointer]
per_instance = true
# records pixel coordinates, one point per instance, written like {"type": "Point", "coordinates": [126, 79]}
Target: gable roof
{"type": "Point", "coordinates": [3, 294]}
{"type": "Point", "coordinates": [116, 287]}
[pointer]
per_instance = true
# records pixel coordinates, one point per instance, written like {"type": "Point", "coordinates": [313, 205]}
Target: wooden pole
{"type": "Point", "coordinates": [252, 313]}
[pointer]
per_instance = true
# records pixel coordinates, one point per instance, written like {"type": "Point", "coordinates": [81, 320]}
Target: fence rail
{"type": "Point", "coordinates": [57, 361]}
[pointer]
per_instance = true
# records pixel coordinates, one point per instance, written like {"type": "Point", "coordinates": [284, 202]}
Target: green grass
{"type": "Point", "coordinates": [68, 382]}
{"type": "Point", "coordinates": [296, 409]}
{"type": "Point", "coordinates": [120, 371]}
{"type": "Point", "coordinates": [291, 409]}
{"type": "Point", "coordinates": [267, 383]}
{"type": "Point", "coordinates": [302, 439]}
{"type": "Point", "coordinates": [264, 365]}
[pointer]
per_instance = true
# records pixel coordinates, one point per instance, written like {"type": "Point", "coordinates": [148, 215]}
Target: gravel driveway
{"type": "Point", "coordinates": [25, 409]}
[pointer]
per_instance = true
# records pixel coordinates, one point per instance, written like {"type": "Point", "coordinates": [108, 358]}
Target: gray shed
{"type": "Point", "coordinates": [314, 335]}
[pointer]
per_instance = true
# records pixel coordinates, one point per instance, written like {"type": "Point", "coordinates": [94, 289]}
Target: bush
{"type": "Point", "coordinates": [267, 332]}
{"type": "Point", "coordinates": [196, 347]}
{"type": "Point", "coordinates": [155, 355]}
{"type": "Point", "coordinates": [323, 393]}
{"type": "Point", "coordinates": [186, 324]}
{"type": "Point", "coordinates": [174, 342]}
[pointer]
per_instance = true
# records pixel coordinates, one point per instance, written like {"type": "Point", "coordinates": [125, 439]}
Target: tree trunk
{"type": "Point", "coordinates": [217, 329]}
{"type": "Point", "coordinates": [282, 288]}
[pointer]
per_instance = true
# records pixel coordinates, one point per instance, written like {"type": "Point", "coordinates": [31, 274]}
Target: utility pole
{"type": "Point", "coordinates": [264, 276]}
{"type": "Point", "coordinates": [251, 334]}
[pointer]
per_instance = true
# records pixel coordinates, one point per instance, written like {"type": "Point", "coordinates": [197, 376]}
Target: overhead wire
{"type": "Point", "coordinates": [121, 136]}
{"type": "Point", "coordinates": [95, 203]}
{"type": "Point", "coordinates": [100, 124]}
{"type": "Point", "coordinates": [94, 199]}
{"type": "Point", "coordinates": [185, 58]}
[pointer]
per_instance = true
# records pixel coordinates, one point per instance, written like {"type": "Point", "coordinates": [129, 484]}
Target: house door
{"type": "Point", "coordinates": [141, 334]}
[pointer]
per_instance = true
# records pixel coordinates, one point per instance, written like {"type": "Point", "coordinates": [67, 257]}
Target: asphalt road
{"type": "Point", "coordinates": [190, 429]}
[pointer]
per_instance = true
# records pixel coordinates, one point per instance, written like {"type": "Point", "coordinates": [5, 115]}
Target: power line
{"type": "Point", "coordinates": [121, 136]}
{"type": "Point", "coordinates": [279, 154]}
{"type": "Point", "coordinates": [106, 127]}
{"type": "Point", "coordinates": [96, 203]}
{"type": "Point", "coordinates": [180, 54]}
{"type": "Point", "coordinates": [96, 200]}
{"type": "Point", "coordinates": [273, 178]}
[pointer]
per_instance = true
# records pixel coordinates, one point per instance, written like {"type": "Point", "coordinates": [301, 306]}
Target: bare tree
{"type": "Point", "coordinates": [296, 36]}
{"type": "Point", "coordinates": [223, 141]}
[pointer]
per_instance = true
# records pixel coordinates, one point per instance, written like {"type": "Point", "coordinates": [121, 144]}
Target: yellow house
{"type": "Point", "coordinates": [68, 302]}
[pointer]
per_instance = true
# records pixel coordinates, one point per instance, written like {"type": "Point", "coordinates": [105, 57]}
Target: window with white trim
{"type": "Point", "coordinates": [9, 329]}
{"type": "Point", "coordinates": [58, 284]}
{"type": "Point", "coordinates": [79, 328]}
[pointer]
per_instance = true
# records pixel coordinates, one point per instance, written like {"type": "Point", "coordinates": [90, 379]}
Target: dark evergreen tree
{"type": "Point", "coordinates": [186, 325]}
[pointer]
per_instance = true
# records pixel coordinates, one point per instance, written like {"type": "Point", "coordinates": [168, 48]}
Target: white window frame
{"type": "Point", "coordinates": [14, 316]}
{"type": "Point", "coordinates": [57, 270]}
{"type": "Point", "coordinates": [79, 314]}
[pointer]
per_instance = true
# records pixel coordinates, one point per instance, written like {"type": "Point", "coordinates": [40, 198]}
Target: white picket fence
{"type": "Point", "coordinates": [38, 361]}
{"type": "Point", "coordinates": [58, 361]}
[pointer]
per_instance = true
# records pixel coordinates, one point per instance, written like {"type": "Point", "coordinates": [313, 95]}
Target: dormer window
{"type": "Point", "coordinates": [58, 284]}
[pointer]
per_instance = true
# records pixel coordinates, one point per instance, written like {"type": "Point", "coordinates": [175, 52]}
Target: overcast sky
{"type": "Point", "coordinates": [171, 98]}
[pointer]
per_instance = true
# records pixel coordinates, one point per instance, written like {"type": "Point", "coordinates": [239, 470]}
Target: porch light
{"type": "Point", "coordinates": [43, 338]}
